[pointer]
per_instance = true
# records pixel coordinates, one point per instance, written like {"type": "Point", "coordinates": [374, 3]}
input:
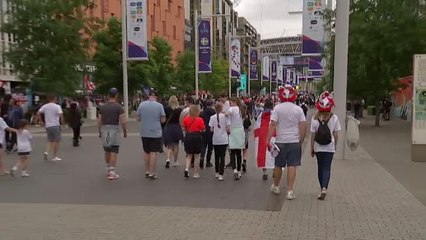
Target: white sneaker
{"type": "Point", "coordinates": [322, 194]}
{"type": "Point", "coordinates": [176, 164]}
{"type": "Point", "coordinates": [217, 175]}
{"type": "Point", "coordinates": [275, 189]}
{"type": "Point", "coordinates": [239, 174]}
{"type": "Point", "coordinates": [45, 156]}
{"type": "Point", "coordinates": [196, 176]}
{"type": "Point", "coordinates": [220, 178]}
{"type": "Point", "coordinates": [25, 174]}
{"type": "Point", "coordinates": [113, 175]}
{"type": "Point", "coordinates": [290, 195]}
{"type": "Point", "coordinates": [12, 171]}
{"type": "Point", "coordinates": [56, 159]}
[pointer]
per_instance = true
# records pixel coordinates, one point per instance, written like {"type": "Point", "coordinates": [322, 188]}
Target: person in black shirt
{"type": "Point", "coordinates": [207, 135]}
{"type": "Point", "coordinates": [172, 133]}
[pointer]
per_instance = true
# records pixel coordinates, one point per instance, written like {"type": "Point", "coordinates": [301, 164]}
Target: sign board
{"type": "Point", "coordinates": [204, 46]}
{"type": "Point", "coordinates": [313, 27]}
{"type": "Point", "coordinates": [137, 37]}
{"type": "Point", "coordinates": [419, 100]}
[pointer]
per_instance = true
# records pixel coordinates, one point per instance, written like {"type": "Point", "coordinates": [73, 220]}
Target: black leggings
{"type": "Point", "coordinates": [219, 158]}
{"type": "Point", "coordinates": [236, 154]}
{"type": "Point", "coordinates": [76, 134]}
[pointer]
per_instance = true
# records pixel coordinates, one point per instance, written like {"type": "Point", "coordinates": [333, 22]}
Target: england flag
{"type": "Point", "coordinates": [263, 155]}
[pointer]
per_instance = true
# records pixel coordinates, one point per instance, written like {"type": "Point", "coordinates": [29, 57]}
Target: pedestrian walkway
{"type": "Point", "coordinates": [364, 202]}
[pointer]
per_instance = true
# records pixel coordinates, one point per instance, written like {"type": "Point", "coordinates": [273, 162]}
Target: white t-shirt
{"type": "Point", "coordinates": [226, 107]}
{"type": "Point", "coordinates": [235, 116]}
{"type": "Point", "coordinates": [3, 126]}
{"type": "Point", "coordinates": [334, 126]}
{"type": "Point", "coordinates": [24, 141]}
{"type": "Point", "coordinates": [52, 113]}
{"type": "Point", "coordinates": [220, 135]}
{"type": "Point", "coordinates": [288, 116]}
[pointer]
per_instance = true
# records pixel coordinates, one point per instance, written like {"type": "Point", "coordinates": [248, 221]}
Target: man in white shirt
{"type": "Point", "coordinates": [53, 117]}
{"type": "Point", "coordinates": [289, 123]}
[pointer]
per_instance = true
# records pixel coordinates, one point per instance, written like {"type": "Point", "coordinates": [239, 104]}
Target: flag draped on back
{"type": "Point", "coordinates": [264, 157]}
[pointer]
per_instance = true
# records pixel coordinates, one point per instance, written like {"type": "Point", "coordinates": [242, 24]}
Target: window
{"type": "Point", "coordinates": [164, 28]}
{"type": "Point", "coordinates": [179, 12]}
{"type": "Point", "coordinates": [152, 23]}
{"type": "Point", "coordinates": [174, 32]}
{"type": "Point", "coordinates": [169, 5]}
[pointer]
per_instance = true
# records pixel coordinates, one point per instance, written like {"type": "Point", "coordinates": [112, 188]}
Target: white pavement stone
{"type": "Point", "coordinates": [364, 202]}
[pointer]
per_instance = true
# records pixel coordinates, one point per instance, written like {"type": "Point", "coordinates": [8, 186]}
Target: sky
{"type": "Point", "coordinates": [271, 18]}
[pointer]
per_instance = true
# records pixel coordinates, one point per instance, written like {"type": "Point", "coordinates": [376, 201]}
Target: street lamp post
{"type": "Point", "coordinates": [341, 70]}
{"type": "Point", "coordinates": [124, 56]}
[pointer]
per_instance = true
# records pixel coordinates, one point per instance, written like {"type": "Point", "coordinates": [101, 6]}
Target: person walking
{"type": "Point", "coordinates": [325, 127]}
{"type": "Point", "coordinates": [14, 115]}
{"type": "Point", "coordinates": [3, 128]}
{"type": "Point", "coordinates": [53, 118]}
{"type": "Point", "coordinates": [24, 149]}
{"type": "Point", "coordinates": [247, 126]}
{"type": "Point", "coordinates": [207, 135]}
{"type": "Point", "coordinates": [111, 116]}
{"type": "Point", "coordinates": [151, 114]}
{"type": "Point", "coordinates": [220, 126]}
{"type": "Point", "coordinates": [194, 126]}
{"type": "Point", "coordinates": [289, 123]}
{"type": "Point", "coordinates": [172, 131]}
{"type": "Point", "coordinates": [75, 123]}
{"type": "Point", "coordinates": [237, 135]}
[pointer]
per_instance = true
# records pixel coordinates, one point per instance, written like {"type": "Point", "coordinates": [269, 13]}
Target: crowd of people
{"type": "Point", "coordinates": [210, 126]}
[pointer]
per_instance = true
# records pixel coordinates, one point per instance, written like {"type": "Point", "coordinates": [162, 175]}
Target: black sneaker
{"type": "Point", "coordinates": [265, 177]}
{"type": "Point", "coordinates": [186, 174]}
{"type": "Point", "coordinates": [167, 164]}
{"type": "Point", "coordinates": [153, 177]}
{"type": "Point", "coordinates": [209, 164]}
{"type": "Point", "coordinates": [244, 166]}
{"type": "Point", "coordinates": [146, 175]}
{"type": "Point", "coordinates": [236, 177]}
{"type": "Point", "coordinates": [202, 163]}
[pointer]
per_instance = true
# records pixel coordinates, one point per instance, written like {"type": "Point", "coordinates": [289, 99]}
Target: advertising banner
{"type": "Point", "coordinates": [204, 46]}
{"type": "Point", "coordinates": [253, 64]}
{"type": "Point", "coordinates": [265, 69]}
{"type": "Point", "coordinates": [316, 64]}
{"type": "Point", "coordinates": [287, 61]}
{"type": "Point", "coordinates": [137, 38]}
{"type": "Point", "coordinates": [419, 100]}
{"type": "Point", "coordinates": [280, 74]}
{"type": "Point", "coordinates": [235, 55]}
{"type": "Point", "coordinates": [313, 27]}
{"type": "Point", "coordinates": [284, 74]}
{"type": "Point", "coordinates": [274, 71]}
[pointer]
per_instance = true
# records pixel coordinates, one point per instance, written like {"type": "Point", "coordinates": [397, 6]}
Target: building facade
{"type": "Point", "coordinates": [249, 39]}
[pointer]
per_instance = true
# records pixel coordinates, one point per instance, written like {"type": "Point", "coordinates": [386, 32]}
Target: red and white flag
{"type": "Point", "coordinates": [90, 86]}
{"type": "Point", "coordinates": [263, 155]}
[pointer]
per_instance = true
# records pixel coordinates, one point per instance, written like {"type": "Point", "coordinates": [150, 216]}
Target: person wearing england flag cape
{"type": "Point", "coordinates": [265, 158]}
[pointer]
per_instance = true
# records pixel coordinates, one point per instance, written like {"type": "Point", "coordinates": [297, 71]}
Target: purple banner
{"type": "Point", "coordinates": [284, 74]}
{"type": "Point", "coordinates": [315, 64]}
{"type": "Point", "coordinates": [274, 71]}
{"type": "Point", "coordinates": [253, 64]}
{"type": "Point", "coordinates": [265, 69]}
{"type": "Point", "coordinates": [204, 46]}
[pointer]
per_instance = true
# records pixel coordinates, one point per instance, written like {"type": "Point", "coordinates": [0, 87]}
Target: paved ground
{"type": "Point", "coordinates": [72, 200]}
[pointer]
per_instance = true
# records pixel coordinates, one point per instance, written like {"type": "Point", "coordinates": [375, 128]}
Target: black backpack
{"type": "Point", "coordinates": [323, 134]}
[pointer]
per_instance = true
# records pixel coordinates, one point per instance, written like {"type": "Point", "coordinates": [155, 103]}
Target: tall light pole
{"type": "Point", "coordinates": [196, 46]}
{"type": "Point", "coordinates": [124, 56]}
{"type": "Point", "coordinates": [341, 70]}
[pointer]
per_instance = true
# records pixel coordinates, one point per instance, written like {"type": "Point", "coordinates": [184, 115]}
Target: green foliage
{"type": "Point", "coordinates": [185, 71]}
{"type": "Point", "coordinates": [217, 81]}
{"type": "Point", "coordinates": [157, 72]}
{"type": "Point", "coordinates": [49, 42]}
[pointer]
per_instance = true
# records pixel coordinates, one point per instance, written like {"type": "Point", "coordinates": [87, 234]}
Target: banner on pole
{"type": "Point", "coordinates": [285, 74]}
{"type": "Point", "coordinates": [253, 64]}
{"type": "Point", "coordinates": [265, 68]}
{"type": "Point", "coordinates": [316, 64]}
{"type": "Point", "coordinates": [274, 71]}
{"type": "Point", "coordinates": [235, 56]}
{"type": "Point", "coordinates": [313, 27]}
{"type": "Point", "coordinates": [137, 38]}
{"type": "Point", "coordinates": [280, 74]}
{"type": "Point", "coordinates": [204, 46]}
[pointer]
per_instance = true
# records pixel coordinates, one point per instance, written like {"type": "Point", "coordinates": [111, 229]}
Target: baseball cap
{"type": "Point", "coordinates": [113, 92]}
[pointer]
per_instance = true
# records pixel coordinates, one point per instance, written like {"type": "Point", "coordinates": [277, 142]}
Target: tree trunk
{"type": "Point", "coordinates": [377, 122]}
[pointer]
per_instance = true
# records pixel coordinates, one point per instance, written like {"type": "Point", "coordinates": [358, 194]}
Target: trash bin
{"type": "Point", "coordinates": [371, 110]}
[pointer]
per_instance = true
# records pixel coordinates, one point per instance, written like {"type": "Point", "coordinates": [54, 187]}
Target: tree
{"type": "Point", "coordinates": [184, 78]}
{"type": "Point", "coordinates": [217, 81]}
{"type": "Point", "coordinates": [49, 43]}
{"type": "Point", "coordinates": [384, 36]}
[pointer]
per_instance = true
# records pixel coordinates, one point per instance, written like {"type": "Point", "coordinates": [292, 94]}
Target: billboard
{"type": "Point", "coordinates": [253, 64]}
{"type": "Point", "coordinates": [235, 55]}
{"type": "Point", "coordinates": [265, 69]}
{"type": "Point", "coordinates": [419, 100]}
{"type": "Point", "coordinates": [137, 38]}
{"type": "Point", "coordinates": [313, 27]}
{"type": "Point", "coordinates": [274, 71]}
{"type": "Point", "coordinates": [316, 64]}
{"type": "Point", "coordinates": [204, 46]}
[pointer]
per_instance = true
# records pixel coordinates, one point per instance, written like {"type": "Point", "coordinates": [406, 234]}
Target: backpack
{"type": "Point", "coordinates": [323, 134]}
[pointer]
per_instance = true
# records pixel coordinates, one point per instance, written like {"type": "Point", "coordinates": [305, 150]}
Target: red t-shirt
{"type": "Point", "coordinates": [193, 124]}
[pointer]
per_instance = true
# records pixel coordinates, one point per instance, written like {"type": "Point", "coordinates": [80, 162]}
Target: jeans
{"type": "Point", "coordinates": [207, 147]}
{"type": "Point", "coordinates": [236, 154]}
{"type": "Point", "coordinates": [324, 160]}
{"type": "Point", "coordinates": [219, 157]}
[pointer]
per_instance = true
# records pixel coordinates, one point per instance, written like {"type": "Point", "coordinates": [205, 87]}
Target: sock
{"type": "Point", "coordinates": [111, 169]}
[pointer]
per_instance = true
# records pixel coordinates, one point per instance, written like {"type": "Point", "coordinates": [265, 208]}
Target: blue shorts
{"type": "Point", "coordinates": [290, 155]}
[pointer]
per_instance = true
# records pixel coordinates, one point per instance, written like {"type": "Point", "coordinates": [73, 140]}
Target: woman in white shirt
{"type": "Point", "coordinates": [237, 135]}
{"type": "Point", "coordinates": [324, 128]}
{"type": "Point", "coordinates": [220, 126]}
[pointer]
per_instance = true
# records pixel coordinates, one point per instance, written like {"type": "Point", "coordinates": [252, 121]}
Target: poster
{"type": "Point", "coordinates": [316, 64]}
{"type": "Point", "coordinates": [253, 64]}
{"type": "Point", "coordinates": [235, 58]}
{"type": "Point", "coordinates": [137, 38]}
{"type": "Point", "coordinates": [313, 27]}
{"type": "Point", "coordinates": [265, 68]}
{"type": "Point", "coordinates": [274, 71]}
{"type": "Point", "coordinates": [204, 46]}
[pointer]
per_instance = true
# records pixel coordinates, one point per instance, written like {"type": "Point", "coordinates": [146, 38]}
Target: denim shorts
{"type": "Point", "coordinates": [290, 155]}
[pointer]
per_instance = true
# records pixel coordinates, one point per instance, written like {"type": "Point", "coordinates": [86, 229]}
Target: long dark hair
{"type": "Point", "coordinates": [218, 109]}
